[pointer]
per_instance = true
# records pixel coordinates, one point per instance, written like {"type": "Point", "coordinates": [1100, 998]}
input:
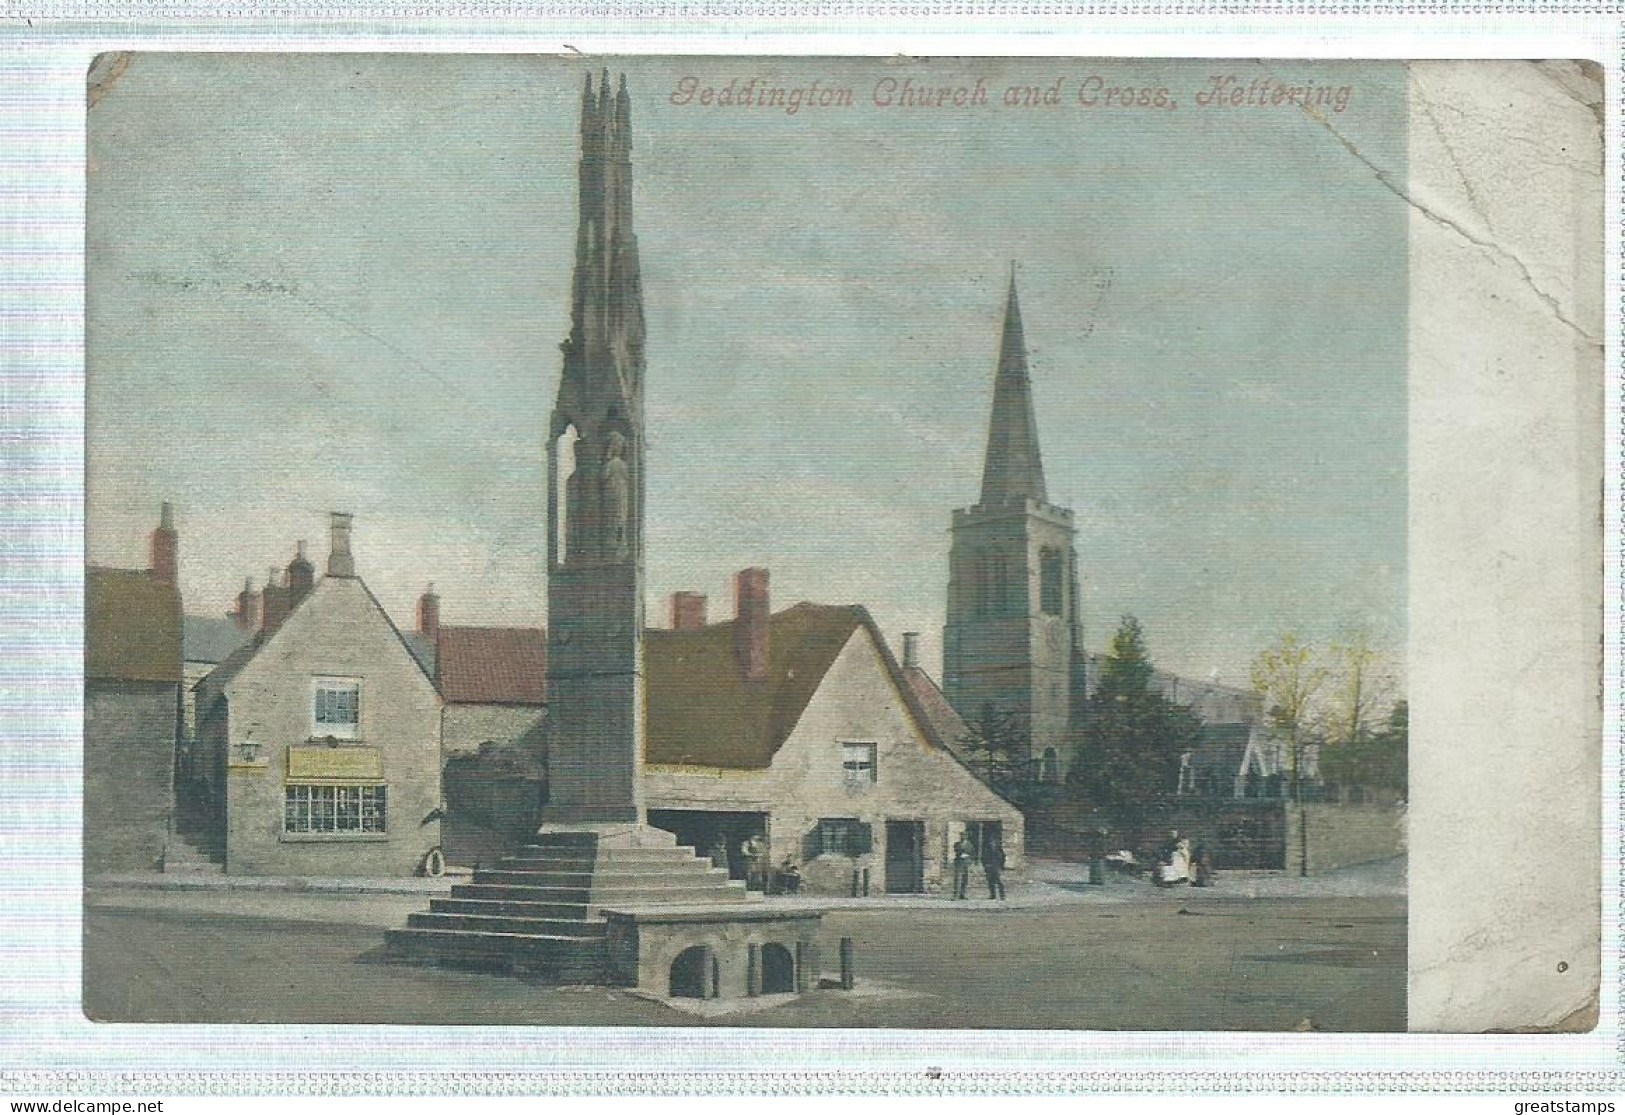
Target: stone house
{"type": "Point", "coordinates": [132, 710]}
{"type": "Point", "coordinates": [801, 729]}
{"type": "Point", "coordinates": [323, 734]}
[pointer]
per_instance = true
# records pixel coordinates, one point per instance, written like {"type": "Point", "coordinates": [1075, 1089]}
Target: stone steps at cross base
{"type": "Point", "coordinates": [537, 912]}
{"type": "Point", "coordinates": [576, 911]}
{"type": "Point", "coordinates": [556, 958]}
{"type": "Point", "coordinates": [604, 896]}
{"type": "Point", "coordinates": [698, 877]}
{"type": "Point", "coordinates": [584, 928]}
{"type": "Point", "coordinates": [638, 860]}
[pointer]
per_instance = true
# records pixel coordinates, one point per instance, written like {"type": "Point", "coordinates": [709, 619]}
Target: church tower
{"type": "Point", "coordinates": [595, 496]}
{"type": "Point", "coordinates": [1013, 639]}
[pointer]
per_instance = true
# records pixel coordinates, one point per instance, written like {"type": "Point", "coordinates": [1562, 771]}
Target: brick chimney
{"type": "Point", "coordinates": [429, 614]}
{"type": "Point", "coordinates": [687, 611]}
{"type": "Point", "coordinates": [247, 614]}
{"type": "Point", "coordinates": [340, 562]}
{"type": "Point", "coordinates": [301, 577]}
{"type": "Point", "coordinates": [273, 602]}
{"type": "Point", "coordinates": [165, 549]}
{"type": "Point", "coordinates": [911, 650]}
{"type": "Point", "coordinates": [751, 612]}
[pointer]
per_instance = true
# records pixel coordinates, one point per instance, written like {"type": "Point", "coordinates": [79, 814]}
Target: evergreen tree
{"type": "Point", "coordinates": [994, 744]}
{"type": "Point", "coordinates": [1133, 736]}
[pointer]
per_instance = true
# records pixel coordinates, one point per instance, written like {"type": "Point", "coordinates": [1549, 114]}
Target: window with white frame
{"type": "Point", "coordinates": [858, 764]}
{"type": "Point", "coordinates": [335, 810]}
{"type": "Point", "coordinates": [336, 708]}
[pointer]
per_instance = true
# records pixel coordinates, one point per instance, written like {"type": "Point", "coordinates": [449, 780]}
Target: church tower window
{"type": "Point", "coordinates": [1049, 581]}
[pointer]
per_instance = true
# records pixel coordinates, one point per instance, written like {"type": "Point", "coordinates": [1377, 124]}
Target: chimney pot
{"type": "Point", "coordinates": [273, 601]}
{"type": "Point", "coordinates": [247, 614]}
{"type": "Point", "coordinates": [340, 562]}
{"type": "Point", "coordinates": [429, 614]}
{"type": "Point", "coordinates": [165, 545]}
{"type": "Point", "coordinates": [751, 613]}
{"type": "Point", "coordinates": [301, 577]}
{"type": "Point", "coordinates": [687, 611]}
{"type": "Point", "coordinates": [911, 650]}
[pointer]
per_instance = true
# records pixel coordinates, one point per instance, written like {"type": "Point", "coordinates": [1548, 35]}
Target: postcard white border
{"type": "Point", "coordinates": [41, 355]}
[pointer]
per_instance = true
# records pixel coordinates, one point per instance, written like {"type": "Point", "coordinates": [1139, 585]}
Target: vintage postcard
{"type": "Point", "coordinates": [924, 543]}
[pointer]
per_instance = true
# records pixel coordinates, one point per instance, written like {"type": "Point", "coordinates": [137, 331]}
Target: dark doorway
{"type": "Point", "coordinates": [905, 857]}
{"type": "Point", "coordinates": [778, 970]}
{"type": "Point", "coordinates": [691, 974]}
{"type": "Point", "coordinates": [717, 836]}
{"type": "Point", "coordinates": [981, 835]}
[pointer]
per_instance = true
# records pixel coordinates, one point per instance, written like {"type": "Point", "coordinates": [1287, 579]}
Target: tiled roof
{"type": "Point", "coordinates": [702, 713]}
{"type": "Point", "coordinates": [949, 725]}
{"type": "Point", "coordinates": [211, 638]}
{"type": "Point", "coordinates": [132, 626]}
{"type": "Point", "coordinates": [492, 665]}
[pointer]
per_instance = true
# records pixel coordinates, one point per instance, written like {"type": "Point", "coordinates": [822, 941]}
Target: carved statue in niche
{"type": "Point", "coordinates": [617, 496]}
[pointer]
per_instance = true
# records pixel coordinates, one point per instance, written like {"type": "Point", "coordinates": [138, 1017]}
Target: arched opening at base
{"type": "Point", "coordinates": [691, 974]}
{"type": "Point", "coordinates": [778, 970]}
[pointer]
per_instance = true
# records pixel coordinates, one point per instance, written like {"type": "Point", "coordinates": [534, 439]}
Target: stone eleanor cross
{"type": "Point", "coordinates": [598, 896]}
{"type": "Point", "coordinates": [595, 674]}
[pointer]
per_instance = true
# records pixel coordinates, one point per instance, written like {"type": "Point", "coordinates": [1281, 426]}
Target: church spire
{"type": "Point", "coordinates": [1013, 469]}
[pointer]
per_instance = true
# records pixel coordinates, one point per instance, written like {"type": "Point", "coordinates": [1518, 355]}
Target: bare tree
{"type": "Point", "coordinates": [1287, 677]}
{"type": "Point", "coordinates": [1360, 688]}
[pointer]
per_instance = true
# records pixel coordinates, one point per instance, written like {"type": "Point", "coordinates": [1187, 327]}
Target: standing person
{"type": "Point", "coordinates": [719, 852]}
{"type": "Point", "coordinates": [752, 851]}
{"type": "Point", "coordinates": [1202, 866]}
{"type": "Point", "coordinates": [961, 866]}
{"type": "Point", "coordinates": [993, 864]}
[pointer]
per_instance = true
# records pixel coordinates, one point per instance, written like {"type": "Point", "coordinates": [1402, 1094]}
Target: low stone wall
{"type": "Point", "coordinates": [1343, 835]}
{"type": "Point", "coordinates": [1239, 834]}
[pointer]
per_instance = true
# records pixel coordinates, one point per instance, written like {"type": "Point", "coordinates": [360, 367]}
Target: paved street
{"type": "Point", "coordinates": [1327, 953]}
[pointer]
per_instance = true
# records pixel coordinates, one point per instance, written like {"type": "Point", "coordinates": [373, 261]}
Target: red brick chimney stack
{"type": "Point", "coordinates": [687, 611]}
{"type": "Point", "coordinates": [165, 550]}
{"type": "Point", "coordinates": [751, 612]}
{"type": "Point", "coordinates": [429, 614]}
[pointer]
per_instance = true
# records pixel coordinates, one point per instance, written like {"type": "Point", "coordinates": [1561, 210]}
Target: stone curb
{"type": "Point", "coordinates": [190, 882]}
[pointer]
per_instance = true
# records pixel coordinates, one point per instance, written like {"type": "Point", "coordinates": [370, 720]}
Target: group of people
{"type": "Point", "coordinates": [1178, 862]}
{"type": "Point", "coordinates": [992, 865]}
{"type": "Point", "coordinates": [753, 858]}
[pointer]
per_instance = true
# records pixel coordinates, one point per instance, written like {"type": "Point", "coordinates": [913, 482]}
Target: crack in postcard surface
{"type": "Point", "coordinates": [1488, 246]}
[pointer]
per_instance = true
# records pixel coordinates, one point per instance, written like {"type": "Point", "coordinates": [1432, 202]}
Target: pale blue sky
{"type": "Point", "coordinates": [339, 282]}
